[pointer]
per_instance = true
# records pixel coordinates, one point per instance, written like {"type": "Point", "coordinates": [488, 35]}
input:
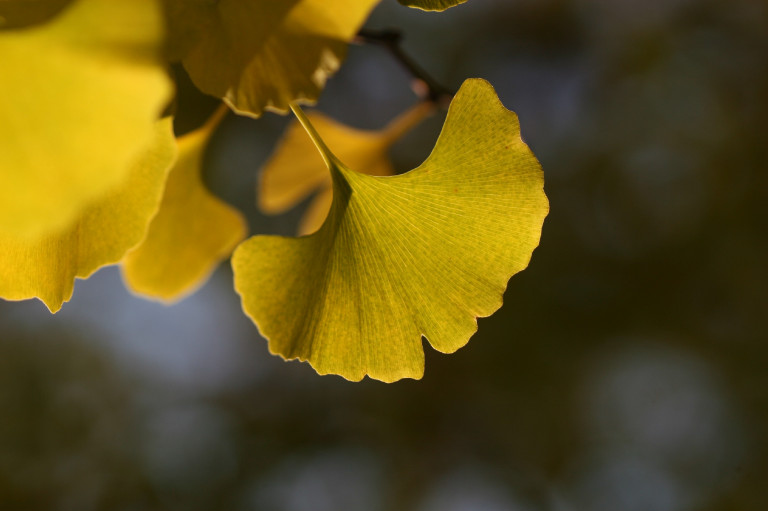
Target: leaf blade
{"type": "Point", "coordinates": [296, 169]}
{"type": "Point", "coordinates": [420, 254]}
{"type": "Point", "coordinates": [53, 73]}
{"type": "Point", "coordinates": [46, 267]}
{"type": "Point", "coordinates": [263, 54]}
{"type": "Point", "coordinates": [192, 232]}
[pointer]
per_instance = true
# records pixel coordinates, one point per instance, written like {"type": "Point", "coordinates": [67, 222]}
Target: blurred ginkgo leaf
{"type": "Point", "coordinates": [296, 169]}
{"type": "Point", "coordinates": [419, 254]}
{"type": "Point", "coordinates": [46, 268]}
{"type": "Point", "coordinates": [79, 97]}
{"type": "Point", "coordinates": [262, 53]}
{"type": "Point", "coordinates": [191, 233]}
{"type": "Point", "coordinates": [431, 5]}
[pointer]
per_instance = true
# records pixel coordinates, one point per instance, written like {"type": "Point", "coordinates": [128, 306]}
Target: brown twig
{"type": "Point", "coordinates": [425, 86]}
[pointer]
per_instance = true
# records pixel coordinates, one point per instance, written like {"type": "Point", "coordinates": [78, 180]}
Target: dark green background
{"type": "Point", "coordinates": [626, 370]}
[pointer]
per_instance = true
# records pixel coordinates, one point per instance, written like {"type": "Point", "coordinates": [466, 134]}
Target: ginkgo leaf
{"type": "Point", "coordinates": [419, 254]}
{"type": "Point", "coordinates": [101, 235]}
{"type": "Point", "coordinates": [78, 100]}
{"type": "Point", "coordinates": [431, 5]}
{"type": "Point", "coordinates": [263, 53]}
{"type": "Point", "coordinates": [296, 169]}
{"type": "Point", "coordinates": [191, 233]}
{"type": "Point", "coordinates": [318, 209]}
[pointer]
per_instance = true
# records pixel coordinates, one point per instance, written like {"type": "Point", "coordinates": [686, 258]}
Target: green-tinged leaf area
{"type": "Point", "coordinates": [192, 232]}
{"type": "Point", "coordinates": [419, 254]}
{"type": "Point", "coordinates": [46, 268]}
{"type": "Point", "coordinates": [431, 5]}
{"type": "Point", "coordinates": [263, 54]}
{"type": "Point", "coordinates": [296, 169]}
{"type": "Point", "coordinates": [79, 97]}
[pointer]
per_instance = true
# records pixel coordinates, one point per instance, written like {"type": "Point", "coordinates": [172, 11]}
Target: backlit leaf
{"type": "Point", "coordinates": [419, 254]}
{"type": "Point", "coordinates": [101, 235]}
{"type": "Point", "coordinates": [431, 5]}
{"type": "Point", "coordinates": [296, 169]}
{"type": "Point", "coordinates": [78, 100]}
{"type": "Point", "coordinates": [191, 233]}
{"type": "Point", "coordinates": [261, 54]}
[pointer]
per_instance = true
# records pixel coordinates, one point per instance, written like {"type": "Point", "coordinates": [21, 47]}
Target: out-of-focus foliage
{"type": "Point", "coordinates": [264, 54]}
{"type": "Point", "coordinates": [79, 97]}
{"type": "Point", "coordinates": [296, 168]}
{"type": "Point", "coordinates": [431, 5]}
{"type": "Point", "coordinates": [63, 406]}
{"type": "Point", "coordinates": [192, 231]}
{"type": "Point", "coordinates": [103, 232]}
{"type": "Point", "coordinates": [423, 253]}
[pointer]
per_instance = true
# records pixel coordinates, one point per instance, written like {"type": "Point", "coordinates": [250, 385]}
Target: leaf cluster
{"type": "Point", "coordinates": [385, 260]}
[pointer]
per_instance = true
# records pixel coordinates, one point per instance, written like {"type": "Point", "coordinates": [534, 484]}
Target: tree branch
{"type": "Point", "coordinates": [425, 86]}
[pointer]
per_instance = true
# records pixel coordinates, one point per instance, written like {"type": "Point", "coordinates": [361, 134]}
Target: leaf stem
{"type": "Point", "coordinates": [391, 40]}
{"type": "Point", "coordinates": [328, 157]}
{"type": "Point", "coordinates": [216, 117]}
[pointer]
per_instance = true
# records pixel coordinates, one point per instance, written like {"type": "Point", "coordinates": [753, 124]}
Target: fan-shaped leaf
{"type": "Point", "coordinates": [296, 169]}
{"type": "Point", "coordinates": [431, 5]}
{"type": "Point", "coordinates": [419, 254]}
{"type": "Point", "coordinates": [78, 100]}
{"type": "Point", "coordinates": [46, 268]}
{"type": "Point", "coordinates": [191, 233]}
{"type": "Point", "coordinates": [261, 54]}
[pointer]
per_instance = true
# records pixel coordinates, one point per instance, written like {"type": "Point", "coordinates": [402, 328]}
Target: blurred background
{"type": "Point", "coordinates": [626, 370]}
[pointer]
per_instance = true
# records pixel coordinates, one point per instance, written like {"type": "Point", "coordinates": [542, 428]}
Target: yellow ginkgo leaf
{"type": "Point", "coordinates": [78, 100]}
{"type": "Point", "coordinates": [261, 54]}
{"type": "Point", "coordinates": [296, 169]}
{"type": "Point", "coordinates": [191, 233]}
{"type": "Point", "coordinates": [431, 5]}
{"type": "Point", "coordinates": [46, 268]}
{"type": "Point", "coordinates": [419, 254]}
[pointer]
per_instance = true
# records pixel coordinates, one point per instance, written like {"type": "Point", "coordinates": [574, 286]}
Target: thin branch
{"type": "Point", "coordinates": [425, 86]}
